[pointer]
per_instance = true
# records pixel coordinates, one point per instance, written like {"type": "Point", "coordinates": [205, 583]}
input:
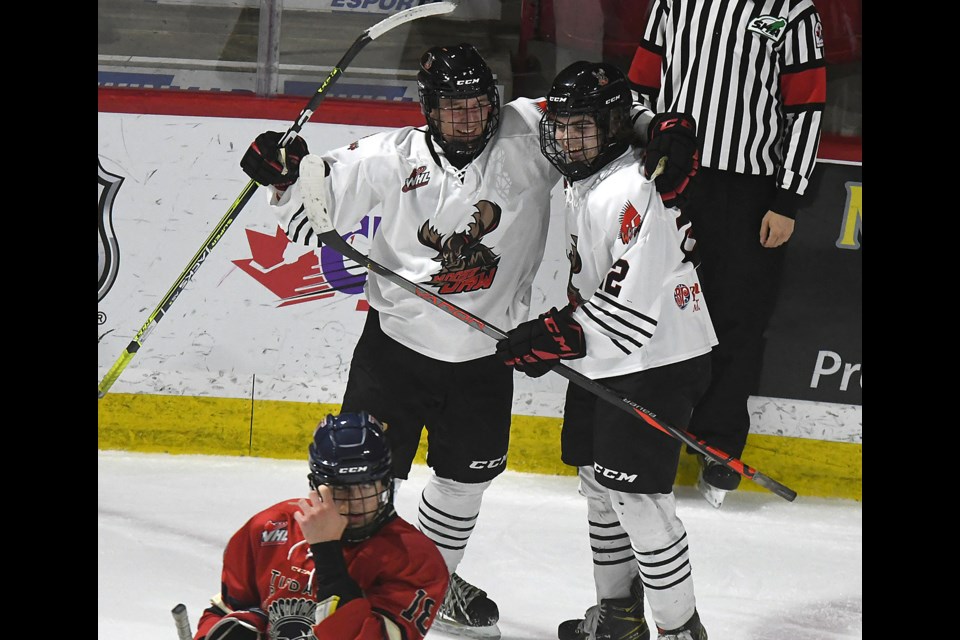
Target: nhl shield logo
{"type": "Point", "coordinates": [107, 247]}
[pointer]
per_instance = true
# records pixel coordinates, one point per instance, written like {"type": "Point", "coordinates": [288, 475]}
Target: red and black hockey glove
{"type": "Point", "coordinates": [247, 624]}
{"type": "Point", "coordinates": [266, 165]}
{"type": "Point", "coordinates": [673, 135]}
{"type": "Point", "coordinates": [536, 346]}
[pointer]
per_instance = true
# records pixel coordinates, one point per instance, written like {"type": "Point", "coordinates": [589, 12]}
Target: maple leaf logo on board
{"type": "Point", "coordinates": [303, 280]}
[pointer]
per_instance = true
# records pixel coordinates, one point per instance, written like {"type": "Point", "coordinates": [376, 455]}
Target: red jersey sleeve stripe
{"type": "Point", "coordinates": [804, 87]}
{"type": "Point", "coordinates": [645, 69]}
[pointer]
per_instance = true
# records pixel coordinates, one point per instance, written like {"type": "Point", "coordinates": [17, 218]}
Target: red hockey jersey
{"type": "Point", "coordinates": [268, 564]}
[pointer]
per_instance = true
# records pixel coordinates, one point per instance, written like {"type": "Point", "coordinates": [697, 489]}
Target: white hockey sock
{"type": "Point", "coordinates": [448, 513]}
{"type": "Point", "coordinates": [613, 564]}
{"type": "Point", "coordinates": [661, 547]}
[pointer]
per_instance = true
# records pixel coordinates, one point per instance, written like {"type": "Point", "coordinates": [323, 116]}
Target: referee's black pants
{"type": "Point", "coordinates": [740, 280]}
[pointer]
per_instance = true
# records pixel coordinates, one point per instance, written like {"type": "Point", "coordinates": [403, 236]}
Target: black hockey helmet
{"type": "Point", "coordinates": [350, 454]}
{"type": "Point", "coordinates": [453, 73]}
{"type": "Point", "coordinates": [595, 89]}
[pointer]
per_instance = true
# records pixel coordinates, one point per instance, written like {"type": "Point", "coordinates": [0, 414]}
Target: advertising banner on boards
{"type": "Point", "coordinates": [814, 345]}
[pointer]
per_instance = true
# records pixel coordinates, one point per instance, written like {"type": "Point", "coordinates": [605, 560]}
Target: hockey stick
{"type": "Point", "coordinates": [332, 239]}
{"type": "Point", "coordinates": [369, 35]}
{"type": "Point", "coordinates": [183, 622]}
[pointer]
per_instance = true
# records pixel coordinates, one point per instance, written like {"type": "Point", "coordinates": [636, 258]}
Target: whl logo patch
{"type": "Point", "coordinates": [417, 179]}
{"type": "Point", "coordinates": [273, 534]}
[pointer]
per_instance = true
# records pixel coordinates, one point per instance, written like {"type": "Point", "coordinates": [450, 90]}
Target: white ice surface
{"type": "Point", "coordinates": [764, 568]}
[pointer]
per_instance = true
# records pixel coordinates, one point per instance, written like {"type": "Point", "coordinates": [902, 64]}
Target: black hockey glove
{"type": "Point", "coordinates": [536, 346]}
{"type": "Point", "coordinates": [265, 163]}
{"type": "Point", "coordinates": [247, 624]}
{"type": "Point", "coordinates": [673, 135]}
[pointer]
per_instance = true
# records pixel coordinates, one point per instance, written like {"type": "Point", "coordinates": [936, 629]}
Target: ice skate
{"type": "Point", "coordinates": [467, 611]}
{"type": "Point", "coordinates": [692, 630]}
{"type": "Point", "coordinates": [613, 619]}
{"type": "Point", "coordinates": [715, 481]}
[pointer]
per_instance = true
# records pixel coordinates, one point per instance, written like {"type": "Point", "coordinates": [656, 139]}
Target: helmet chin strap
{"type": "Point", "coordinates": [459, 154]}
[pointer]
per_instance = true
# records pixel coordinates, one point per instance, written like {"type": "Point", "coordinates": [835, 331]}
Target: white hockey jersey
{"type": "Point", "coordinates": [632, 275]}
{"type": "Point", "coordinates": [474, 236]}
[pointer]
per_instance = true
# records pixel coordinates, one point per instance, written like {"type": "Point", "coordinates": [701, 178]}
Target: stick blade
{"type": "Point", "coordinates": [413, 13]}
{"type": "Point", "coordinates": [781, 490]}
{"type": "Point", "coordinates": [313, 192]}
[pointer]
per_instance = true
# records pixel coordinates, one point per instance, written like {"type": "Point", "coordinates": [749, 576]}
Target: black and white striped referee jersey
{"type": "Point", "coordinates": [752, 73]}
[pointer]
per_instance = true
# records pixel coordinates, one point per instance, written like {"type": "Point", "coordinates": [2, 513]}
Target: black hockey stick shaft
{"type": "Point", "coordinates": [370, 34]}
{"type": "Point", "coordinates": [333, 240]}
{"type": "Point", "coordinates": [182, 621]}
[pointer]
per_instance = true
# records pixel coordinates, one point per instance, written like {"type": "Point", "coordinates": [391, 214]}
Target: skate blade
{"type": "Point", "coordinates": [491, 632]}
{"type": "Point", "coordinates": [710, 493]}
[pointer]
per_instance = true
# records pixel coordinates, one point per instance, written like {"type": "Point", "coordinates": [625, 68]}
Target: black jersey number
{"type": "Point", "coordinates": [420, 611]}
{"type": "Point", "coordinates": [616, 274]}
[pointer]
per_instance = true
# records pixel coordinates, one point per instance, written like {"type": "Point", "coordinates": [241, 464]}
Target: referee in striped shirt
{"type": "Point", "coordinates": [753, 75]}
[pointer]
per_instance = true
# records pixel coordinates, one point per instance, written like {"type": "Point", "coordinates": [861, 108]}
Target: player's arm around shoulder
{"type": "Point", "coordinates": [623, 191]}
{"type": "Point", "coordinates": [521, 117]}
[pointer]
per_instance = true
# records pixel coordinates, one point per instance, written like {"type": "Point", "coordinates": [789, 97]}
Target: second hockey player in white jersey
{"type": "Point", "coordinates": [638, 322]}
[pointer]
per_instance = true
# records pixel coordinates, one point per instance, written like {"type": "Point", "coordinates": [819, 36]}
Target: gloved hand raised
{"type": "Point", "coordinates": [246, 624]}
{"type": "Point", "coordinates": [673, 135]}
{"type": "Point", "coordinates": [536, 346]}
{"type": "Point", "coordinates": [266, 163]}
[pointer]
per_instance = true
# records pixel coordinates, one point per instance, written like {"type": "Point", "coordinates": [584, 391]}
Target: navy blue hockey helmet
{"type": "Point", "coordinates": [350, 454]}
{"type": "Point", "coordinates": [458, 72]}
{"type": "Point", "coordinates": [578, 147]}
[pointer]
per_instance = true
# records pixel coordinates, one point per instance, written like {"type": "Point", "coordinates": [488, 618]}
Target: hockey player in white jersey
{"type": "Point", "coordinates": [636, 321]}
{"type": "Point", "coordinates": [465, 205]}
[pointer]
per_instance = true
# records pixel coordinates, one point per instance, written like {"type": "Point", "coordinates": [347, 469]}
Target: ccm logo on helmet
{"type": "Point", "coordinates": [469, 81]}
{"type": "Point", "coordinates": [619, 476]}
{"type": "Point", "coordinates": [353, 469]}
{"type": "Point", "coordinates": [557, 98]}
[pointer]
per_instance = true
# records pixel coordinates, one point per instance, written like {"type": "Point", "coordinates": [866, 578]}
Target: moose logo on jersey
{"type": "Point", "coordinates": [465, 263]}
{"type": "Point", "coordinates": [418, 178]}
{"type": "Point", "coordinates": [630, 221]}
